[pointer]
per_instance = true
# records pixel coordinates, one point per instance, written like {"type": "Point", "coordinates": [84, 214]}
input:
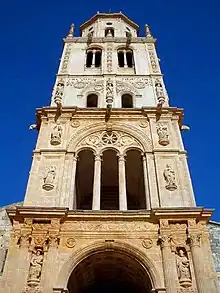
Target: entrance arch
{"type": "Point", "coordinates": [105, 262]}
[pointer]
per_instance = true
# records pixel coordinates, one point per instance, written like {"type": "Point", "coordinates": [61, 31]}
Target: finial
{"type": "Point", "coordinates": [148, 32]}
{"type": "Point", "coordinates": [71, 31]}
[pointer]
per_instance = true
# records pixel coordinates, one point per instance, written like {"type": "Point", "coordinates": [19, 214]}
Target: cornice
{"type": "Point", "coordinates": [108, 40]}
{"type": "Point", "coordinates": [198, 213]}
{"type": "Point", "coordinates": [88, 113]}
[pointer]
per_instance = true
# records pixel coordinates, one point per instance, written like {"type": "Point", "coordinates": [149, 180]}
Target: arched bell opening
{"type": "Point", "coordinates": [109, 181]}
{"type": "Point", "coordinates": [84, 180]}
{"type": "Point", "coordinates": [109, 271]}
{"type": "Point", "coordinates": [135, 181]}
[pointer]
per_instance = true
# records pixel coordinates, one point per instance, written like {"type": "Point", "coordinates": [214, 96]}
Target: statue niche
{"type": "Point", "coordinates": [35, 267]}
{"type": "Point", "coordinates": [49, 178]}
{"type": "Point", "coordinates": [183, 268]}
{"type": "Point", "coordinates": [56, 134]}
{"type": "Point", "coordinates": [170, 178]}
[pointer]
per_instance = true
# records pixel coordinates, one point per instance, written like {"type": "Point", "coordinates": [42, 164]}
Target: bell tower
{"type": "Point", "coordinates": [109, 203]}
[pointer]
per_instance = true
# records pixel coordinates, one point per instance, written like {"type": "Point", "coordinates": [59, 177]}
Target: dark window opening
{"type": "Point", "coordinates": [109, 23]}
{"type": "Point", "coordinates": [92, 101]}
{"type": "Point", "coordinates": [126, 101]}
{"type": "Point", "coordinates": [98, 56]}
{"type": "Point", "coordinates": [129, 57]}
{"type": "Point", "coordinates": [128, 34]}
{"type": "Point", "coordinates": [89, 59]}
{"type": "Point", "coordinates": [128, 28]}
{"type": "Point", "coordinates": [91, 28]}
{"type": "Point", "coordinates": [121, 59]}
{"type": "Point", "coordinates": [109, 32]}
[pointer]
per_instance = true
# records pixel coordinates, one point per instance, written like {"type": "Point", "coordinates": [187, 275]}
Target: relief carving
{"type": "Point", "coordinates": [49, 178]}
{"type": "Point", "coordinates": [159, 93]}
{"type": "Point", "coordinates": [56, 134]}
{"type": "Point", "coordinates": [162, 131]}
{"type": "Point", "coordinates": [70, 242]}
{"type": "Point", "coordinates": [59, 93]}
{"type": "Point", "coordinates": [170, 178]}
{"type": "Point", "coordinates": [183, 268]}
{"type": "Point", "coordinates": [153, 58]}
{"type": "Point", "coordinates": [35, 267]}
{"type": "Point", "coordinates": [66, 58]}
{"type": "Point", "coordinates": [109, 59]}
{"type": "Point", "coordinates": [109, 93]}
{"type": "Point", "coordinates": [147, 243]}
{"type": "Point", "coordinates": [117, 139]}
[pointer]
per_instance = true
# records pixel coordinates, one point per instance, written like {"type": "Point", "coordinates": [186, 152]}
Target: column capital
{"type": "Point", "coordinates": [98, 157]}
{"type": "Point", "coordinates": [164, 240]}
{"type": "Point", "coordinates": [121, 158]}
{"type": "Point", "coordinates": [195, 239]}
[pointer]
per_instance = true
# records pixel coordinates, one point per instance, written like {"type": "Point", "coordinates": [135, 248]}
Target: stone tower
{"type": "Point", "coordinates": [109, 204]}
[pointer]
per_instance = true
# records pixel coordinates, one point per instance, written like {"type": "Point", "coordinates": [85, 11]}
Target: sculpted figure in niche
{"type": "Point", "coordinates": [49, 178]}
{"type": "Point", "coordinates": [35, 267]}
{"type": "Point", "coordinates": [56, 135]}
{"type": "Point", "coordinates": [170, 178]}
{"type": "Point", "coordinates": [159, 93]}
{"type": "Point", "coordinates": [162, 132]}
{"type": "Point", "coordinates": [59, 94]}
{"type": "Point", "coordinates": [183, 269]}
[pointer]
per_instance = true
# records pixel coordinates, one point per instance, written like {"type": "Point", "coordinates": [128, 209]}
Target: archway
{"type": "Point", "coordinates": [109, 271]}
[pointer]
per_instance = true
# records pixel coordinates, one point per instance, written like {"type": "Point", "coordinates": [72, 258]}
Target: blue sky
{"type": "Point", "coordinates": [188, 46]}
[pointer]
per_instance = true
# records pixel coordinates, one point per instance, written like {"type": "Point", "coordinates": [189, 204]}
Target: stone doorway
{"type": "Point", "coordinates": [109, 272]}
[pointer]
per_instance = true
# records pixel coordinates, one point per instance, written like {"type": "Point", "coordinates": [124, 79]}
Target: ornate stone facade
{"type": "Point", "coordinates": [109, 198]}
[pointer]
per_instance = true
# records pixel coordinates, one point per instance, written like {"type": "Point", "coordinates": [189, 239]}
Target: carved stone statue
{"type": "Point", "coordinates": [56, 135]}
{"type": "Point", "coordinates": [59, 94]}
{"type": "Point", "coordinates": [170, 178]}
{"type": "Point", "coordinates": [160, 93]}
{"type": "Point", "coordinates": [49, 178]}
{"type": "Point", "coordinates": [109, 93]}
{"type": "Point", "coordinates": [35, 267]}
{"type": "Point", "coordinates": [183, 269]}
{"type": "Point", "coordinates": [162, 132]}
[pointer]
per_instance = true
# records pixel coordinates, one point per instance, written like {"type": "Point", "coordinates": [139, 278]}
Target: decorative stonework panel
{"type": "Point", "coordinates": [109, 58]}
{"type": "Point", "coordinates": [66, 58]}
{"type": "Point", "coordinates": [103, 138]}
{"type": "Point", "coordinates": [109, 226]}
{"type": "Point", "coordinates": [81, 83]}
{"type": "Point", "coordinates": [153, 58]}
{"type": "Point", "coordinates": [138, 82]}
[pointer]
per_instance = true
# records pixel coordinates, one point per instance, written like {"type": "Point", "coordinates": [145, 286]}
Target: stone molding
{"type": "Point", "coordinates": [109, 40]}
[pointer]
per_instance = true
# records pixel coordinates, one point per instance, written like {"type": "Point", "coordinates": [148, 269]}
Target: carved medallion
{"type": "Point", "coordinates": [143, 124]}
{"type": "Point", "coordinates": [147, 243]}
{"type": "Point", "coordinates": [75, 123]}
{"type": "Point", "coordinates": [70, 242]}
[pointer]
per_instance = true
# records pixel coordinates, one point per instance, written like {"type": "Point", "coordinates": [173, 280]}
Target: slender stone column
{"type": "Point", "coordinates": [93, 58]}
{"type": "Point", "coordinates": [198, 264]}
{"type": "Point", "coordinates": [122, 184]}
{"type": "Point", "coordinates": [97, 183]}
{"type": "Point", "coordinates": [146, 183]}
{"type": "Point", "coordinates": [168, 264]}
{"type": "Point", "coordinates": [72, 201]}
{"type": "Point", "coordinates": [125, 59]}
